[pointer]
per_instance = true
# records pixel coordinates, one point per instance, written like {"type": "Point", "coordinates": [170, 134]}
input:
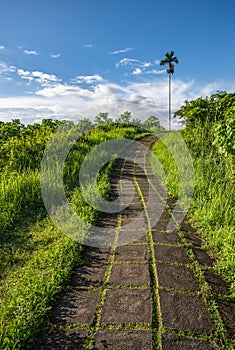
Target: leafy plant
{"type": "Point", "coordinates": [224, 133]}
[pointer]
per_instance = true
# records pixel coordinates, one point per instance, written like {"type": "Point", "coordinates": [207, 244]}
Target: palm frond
{"type": "Point", "coordinates": [175, 59]}
{"type": "Point", "coordinates": [169, 58]}
{"type": "Point", "coordinates": [163, 62]}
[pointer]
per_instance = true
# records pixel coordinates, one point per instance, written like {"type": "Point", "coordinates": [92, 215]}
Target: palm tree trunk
{"type": "Point", "coordinates": [170, 102]}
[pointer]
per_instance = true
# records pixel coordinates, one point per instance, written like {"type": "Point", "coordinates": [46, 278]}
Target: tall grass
{"type": "Point", "coordinates": [19, 196]}
{"type": "Point", "coordinates": [36, 258]}
{"type": "Point", "coordinates": [177, 171]}
{"type": "Point", "coordinates": [213, 207]}
{"type": "Point", "coordinates": [27, 292]}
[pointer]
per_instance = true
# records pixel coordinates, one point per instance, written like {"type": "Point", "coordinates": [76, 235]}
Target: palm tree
{"type": "Point", "coordinates": [169, 58]}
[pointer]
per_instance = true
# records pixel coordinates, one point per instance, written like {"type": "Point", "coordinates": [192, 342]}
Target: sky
{"type": "Point", "coordinates": [73, 59]}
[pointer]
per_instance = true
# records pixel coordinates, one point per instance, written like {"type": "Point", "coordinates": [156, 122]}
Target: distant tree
{"type": "Point", "coordinates": [102, 118]}
{"type": "Point", "coordinates": [136, 121]}
{"type": "Point", "coordinates": [151, 122]}
{"type": "Point", "coordinates": [169, 59]}
{"type": "Point", "coordinates": [84, 125]}
{"type": "Point", "coordinates": [68, 123]}
{"type": "Point", "coordinates": [125, 117]}
{"type": "Point", "coordinates": [24, 146]}
{"type": "Point", "coordinates": [52, 124]}
{"type": "Point", "coordinates": [10, 129]}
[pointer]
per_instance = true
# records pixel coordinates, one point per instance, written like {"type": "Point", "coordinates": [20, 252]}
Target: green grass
{"type": "Point", "coordinates": [169, 174]}
{"type": "Point", "coordinates": [212, 210]}
{"type": "Point", "coordinates": [36, 258]}
{"type": "Point", "coordinates": [176, 170]}
{"type": "Point", "coordinates": [27, 292]}
{"type": "Point", "coordinates": [19, 193]}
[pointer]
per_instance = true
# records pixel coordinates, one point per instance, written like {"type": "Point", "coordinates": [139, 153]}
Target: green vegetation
{"type": "Point", "coordinates": [210, 136]}
{"type": "Point", "coordinates": [36, 258]}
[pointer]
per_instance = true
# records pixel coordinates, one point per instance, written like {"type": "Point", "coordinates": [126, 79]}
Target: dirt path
{"type": "Point", "coordinates": [159, 291]}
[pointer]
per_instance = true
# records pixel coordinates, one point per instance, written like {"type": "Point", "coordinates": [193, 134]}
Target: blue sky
{"type": "Point", "coordinates": [71, 59]}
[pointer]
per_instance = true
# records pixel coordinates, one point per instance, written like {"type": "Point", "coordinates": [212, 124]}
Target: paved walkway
{"type": "Point", "coordinates": [159, 291]}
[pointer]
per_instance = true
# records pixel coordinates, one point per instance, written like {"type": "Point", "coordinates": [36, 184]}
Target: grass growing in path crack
{"type": "Point", "coordinates": [156, 312]}
{"type": "Point", "coordinates": [220, 335]}
{"type": "Point", "coordinates": [96, 321]}
{"type": "Point", "coordinates": [103, 291]}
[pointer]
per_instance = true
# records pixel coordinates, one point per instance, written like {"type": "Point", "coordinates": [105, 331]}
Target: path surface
{"type": "Point", "coordinates": [159, 291]}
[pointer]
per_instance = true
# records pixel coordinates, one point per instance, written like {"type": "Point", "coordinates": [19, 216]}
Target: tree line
{"type": "Point", "coordinates": [215, 116]}
{"type": "Point", "coordinates": [22, 146]}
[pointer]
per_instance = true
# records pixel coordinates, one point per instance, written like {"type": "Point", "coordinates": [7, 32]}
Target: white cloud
{"type": "Point", "coordinates": [147, 64]}
{"type": "Point", "coordinates": [88, 79]}
{"type": "Point", "coordinates": [2, 47]}
{"type": "Point", "coordinates": [146, 93]}
{"type": "Point", "coordinates": [41, 78]}
{"type": "Point", "coordinates": [26, 75]}
{"type": "Point", "coordinates": [121, 51]}
{"type": "Point", "coordinates": [23, 73]}
{"type": "Point", "coordinates": [152, 71]}
{"type": "Point", "coordinates": [88, 46]}
{"type": "Point", "coordinates": [57, 55]}
{"type": "Point", "coordinates": [6, 71]}
{"type": "Point", "coordinates": [155, 71]}
{"type": "Point", "coordinates": [69, 101]}
{"type": "Point", "coordinates": [125, 62]}
{"type": "Point", "coordinates": [137, 71]}
{"type": "Point", "coordinates": [5, 68]}
{"type": "Point", "coordinates": [31, 52]}
{"type": "Point", "coordinates": [63, 90]}
{"type": "Point", "coordinates": [140, 67]}
{"type": "Point", "coordinates": [44, 78]}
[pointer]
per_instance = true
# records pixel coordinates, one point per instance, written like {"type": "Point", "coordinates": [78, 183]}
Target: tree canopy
{"type": "Point", "coordinates": [216, 114]}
